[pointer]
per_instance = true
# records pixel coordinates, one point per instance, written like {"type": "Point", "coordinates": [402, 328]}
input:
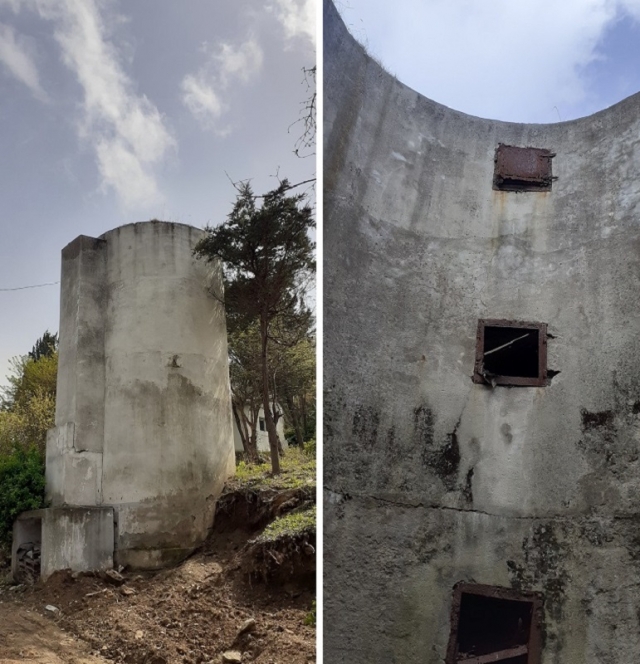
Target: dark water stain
{"type": "Point", "coordinates": [467, 491]}
{"type": "Point", "coordinates": [593, 420]}
{"type": "Point", "coordinates": [366, 421]}
{"type": "Point", "coordinates": [423, 422]}
{"type": "Point", "coordinates": [505, 430]}
{"type": "Point", "coordinates": [447, 462]}
{"type": "Point", "coordinates": [544, 567]}
{"type": "Point", "coordinates": [443, 461]}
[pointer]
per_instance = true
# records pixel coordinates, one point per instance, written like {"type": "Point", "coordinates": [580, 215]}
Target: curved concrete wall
{"type": "Point", "coordinates": [434, 479]}
{"type": "Point", "coordinates": [143, 421]}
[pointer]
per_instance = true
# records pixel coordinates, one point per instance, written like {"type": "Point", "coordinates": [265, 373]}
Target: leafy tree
{"type": "Point", "coordinates": [26, 425]}
{"type": "Point", "coordinates": [46, 346]}
{"type": "Point", "coordinates": [27, 412]}
{"type": "Point", "coordinates": [34, 373]}
{"type": "Point", "coordinates": [291, 383]}
{"type": "Point", "coordinates": [297, 387]}
{"type": "Point", "coordinates": [30, 377]}
{"type": "Point", "coordinates": [246, 395]}
{"type": "Point", "coordinates": [27, 409]}
{"type": "Point", "coordinates": [267, 256]}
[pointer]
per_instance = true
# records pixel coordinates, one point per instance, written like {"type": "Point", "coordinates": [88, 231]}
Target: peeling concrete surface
{"type": "Point", "coordinates": [433, 479]}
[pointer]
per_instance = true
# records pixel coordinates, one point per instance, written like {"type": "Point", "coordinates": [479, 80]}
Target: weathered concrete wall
{"type": "Point", "coordinates": [74, 447]}
{"type": "Point", "coordinates": [143, 421]}
{"type": "Point", "coordinates": [433, 479]}
{"type": "Point", "coordinates": [79, 539]}
{"type": "Point", "coordinates": [76, 538]}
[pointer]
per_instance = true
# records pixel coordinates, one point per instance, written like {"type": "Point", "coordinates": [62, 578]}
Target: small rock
{"type": "Point", "coordinates": [139, 634]}
{"type": "Point", "coordinates": [126, 591]}
{"type": "Point", "coordinates": [247, 626]}
{"type": "Point", "coordinates": [51, 609]}
{"type": "Point", "coordinates": [232, 657]}
{"type": "Point", "coordinates": [97, 592]}
{"type": "Point", "coordinates": [111, 576]}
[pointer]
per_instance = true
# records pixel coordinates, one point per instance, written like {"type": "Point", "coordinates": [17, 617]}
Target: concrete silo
{"type": "Point", "coordinates": [143, 440]}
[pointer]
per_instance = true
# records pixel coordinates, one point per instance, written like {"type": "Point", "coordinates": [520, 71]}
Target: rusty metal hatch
{"type": "Point", "coordinates": [522, 169]}
{"type": "Point", "coordinates": [494, 624]}
{"type": "Point", "coordinates": [511, 353]}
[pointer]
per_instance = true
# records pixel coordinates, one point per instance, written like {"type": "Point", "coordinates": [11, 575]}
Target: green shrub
{"type": "Point", "coordinates": [310, 618]}
{"type": "Point", "coordinates": [310, 448]}
{"type": "Point", "coordinates": [290, 437]}
{"type": "Point", "coordinates": [21, 486]}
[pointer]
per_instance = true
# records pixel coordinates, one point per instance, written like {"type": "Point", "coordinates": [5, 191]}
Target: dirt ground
{"type": "Point", "coordinates": [191, 614]}
{"type": "Point", "coordinates": [26, 636]}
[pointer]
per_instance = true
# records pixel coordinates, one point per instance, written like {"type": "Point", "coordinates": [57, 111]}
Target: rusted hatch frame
{"type": "Point", "coordinates": [534, 644]}
{"type": "Point", "coordinates": [522, 169]}
{"type": "Point", "coordinates": [509, 653]}
{"type": "Point", "coordinates": [522, 381]}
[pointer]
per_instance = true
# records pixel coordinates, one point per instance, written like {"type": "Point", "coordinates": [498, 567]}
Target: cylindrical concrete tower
{"type": "Point", "coordinates": [143, 418]}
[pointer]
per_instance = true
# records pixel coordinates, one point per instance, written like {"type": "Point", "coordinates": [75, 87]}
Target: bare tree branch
{"type": "Point", "coordinates": [305, 145]}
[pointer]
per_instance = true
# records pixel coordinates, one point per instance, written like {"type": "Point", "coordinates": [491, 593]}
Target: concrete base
{"type": "Point", "coordinates": [149, 559]}
{"type": "Point", "coordinates": [76, 538]}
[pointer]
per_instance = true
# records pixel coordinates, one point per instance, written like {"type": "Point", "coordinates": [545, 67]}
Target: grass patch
{"type": "Point", "coordinates": [290, 525]}
{"type": "Point", "coordinates": [310, 618]}
{"type": "Point", "coordinates": [298, 469]}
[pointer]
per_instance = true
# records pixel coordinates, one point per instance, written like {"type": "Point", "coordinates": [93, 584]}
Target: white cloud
{"type": "Point", "coordinates": [243, 62]}
{"type": "Point", "coordinates": [200, 98]}
{"type": "Point", "coordinates": [504, 59]}
{"type": "Point", "coordinates": [632, 7]}
{"type": "Point", "coordinates": [125, 172]}
{"type": "Point", "coordinates": [298, 17]}
{"type": "Point", "coordinates": [124, 128]}
{"type": "Point", "coordinates": [15, 56]}
{"type": "Point", "coordinates": [204, 92]}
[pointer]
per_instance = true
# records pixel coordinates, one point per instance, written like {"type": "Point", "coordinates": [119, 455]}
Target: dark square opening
{"type": "Point", "coordinates": [522, 169]}
{"type": "Point", "coordinates": [26, 549]}
{"type": "Point", "coordinates": [488, 624]}
{"type": "Point", "coordinates": [263, 426]}
{"type": "Point", "coordinates": [511, 353]}
{"type": "Point", "coordinates": [491, 624]}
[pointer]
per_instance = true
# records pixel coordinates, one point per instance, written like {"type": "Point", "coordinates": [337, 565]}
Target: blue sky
{"type": "Point", "coordinates": [516, 60]}
{"type": "Point", "coordinates": [114, 111]}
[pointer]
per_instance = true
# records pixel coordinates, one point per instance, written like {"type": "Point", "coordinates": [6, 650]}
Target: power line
{"type": "Point", "coordinates": [51, 283]}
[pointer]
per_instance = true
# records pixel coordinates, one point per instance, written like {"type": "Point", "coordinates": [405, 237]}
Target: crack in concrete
{"type": "Point", "coordinates": [344, 497]}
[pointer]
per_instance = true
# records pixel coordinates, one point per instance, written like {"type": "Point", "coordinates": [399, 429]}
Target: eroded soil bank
{"type": "Point", "coordinates": [238, 596]}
